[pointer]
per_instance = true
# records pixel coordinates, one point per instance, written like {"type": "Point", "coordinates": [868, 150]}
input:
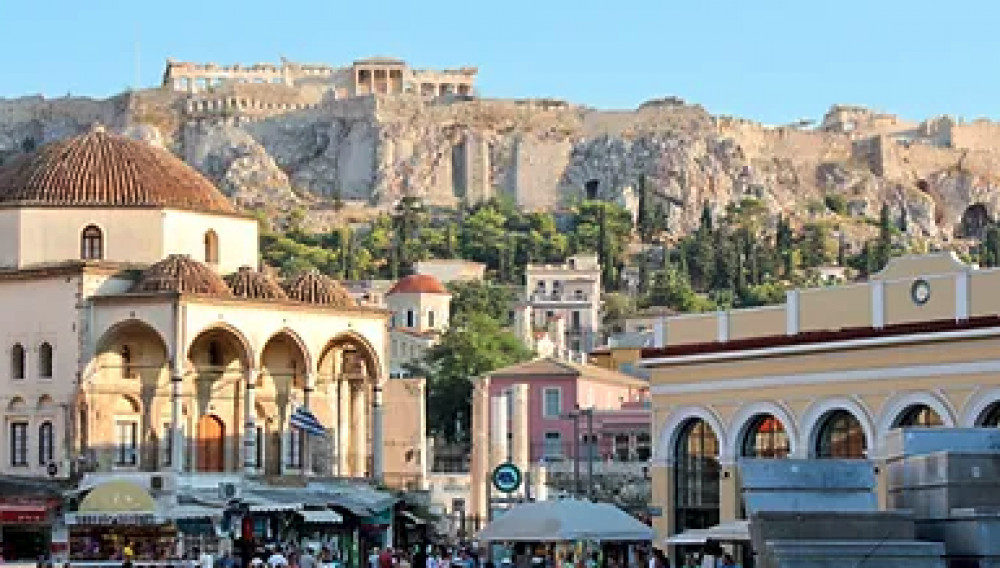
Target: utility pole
{"type": "Point", "coordinates": [576, 454]}
{"type": "Point", "coordinates": [590, 452]}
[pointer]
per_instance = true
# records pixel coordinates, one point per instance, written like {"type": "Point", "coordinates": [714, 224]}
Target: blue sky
{"type": "Point", "coordinates": [769, 60]}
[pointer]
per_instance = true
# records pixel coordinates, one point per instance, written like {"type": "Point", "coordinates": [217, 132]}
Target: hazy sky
{"type": "Point", "coordinates": [773, 61]}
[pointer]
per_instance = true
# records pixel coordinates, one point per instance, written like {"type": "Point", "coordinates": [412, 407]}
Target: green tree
{"type": "Point", "coordinates": [884, 247]}
{"type": "Point", "coordinates": [471, 347]}
{"type": "Point", "coordinates": [603, 228]}
{"type": "Point", "coordinates": [814, 249]}
{"type": "Point", "coordinates": [480, 297]}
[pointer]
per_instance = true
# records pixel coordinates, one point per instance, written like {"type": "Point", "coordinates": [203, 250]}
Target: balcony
{"type": "Point", "coordinates": [559, 298]}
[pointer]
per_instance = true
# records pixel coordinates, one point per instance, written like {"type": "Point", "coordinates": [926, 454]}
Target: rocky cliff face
{"type": "Point", "coordinates": [546, 154]}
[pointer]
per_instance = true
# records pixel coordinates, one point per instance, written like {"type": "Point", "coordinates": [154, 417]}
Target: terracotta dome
{"type": "Point", "coordinates": [248, 283]}
{"type": "Point", "coordinates": [179, 273]}
{"type": "Point", "coordinates": [314, 288]}
{"type": "Point", "coordinates": [418, 284]}
{"type": "Point", "coordinates": [100, 169]}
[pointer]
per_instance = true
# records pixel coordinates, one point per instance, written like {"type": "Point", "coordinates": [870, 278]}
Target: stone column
{"type": "Point", "coordinates": [176, 415]}
{"type": "Point", "coordinates": [377, 441]}
{"type": "Point", "coordinates": [359, 420]}
{"type": "Point", "coordinates": [250, 421]}
{"type": "Point", "coordinates": [343, 427]}
{"type": "Point", "coordinates": [522, 440]}
{"type": "Point", "coordinates": [479, 493]}
{"type": "Point", "coordinates": [498, 430]}
{"type": "Point", "coordinates": [307, 391]}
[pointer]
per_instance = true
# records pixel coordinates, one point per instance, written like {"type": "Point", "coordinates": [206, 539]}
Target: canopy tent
{"type": "Point", "coordinates": [733, 531]}
{"type": "Point", "coordinates": [565, 520]}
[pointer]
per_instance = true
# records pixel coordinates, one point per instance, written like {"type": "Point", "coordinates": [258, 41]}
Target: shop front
{"type": "Point", "coordinates": [118, 517]}
{"type": "Point", "coordinates": [26, 528]}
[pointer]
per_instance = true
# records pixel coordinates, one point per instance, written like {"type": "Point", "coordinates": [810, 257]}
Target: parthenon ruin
{"type": "Point", "coordinates": [378, 75]}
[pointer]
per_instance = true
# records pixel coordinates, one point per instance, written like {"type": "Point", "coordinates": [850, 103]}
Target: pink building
{"type": "Point", "coordinates": [557, 390]}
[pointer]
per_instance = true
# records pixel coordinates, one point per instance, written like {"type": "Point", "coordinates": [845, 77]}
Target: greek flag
{"type": "Point", "coordinates": [307, 422]}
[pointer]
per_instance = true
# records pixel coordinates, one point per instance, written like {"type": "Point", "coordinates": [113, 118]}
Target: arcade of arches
{"type": "Point", "coordinates": [234, 404]}
{"type": "Point", "coordinates": [700, 476]}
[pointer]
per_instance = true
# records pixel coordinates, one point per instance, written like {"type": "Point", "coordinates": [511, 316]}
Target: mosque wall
{"type": "Point", "coordinates": [53, 234]}
{"type": "Point", "coordinates": [185, 232]}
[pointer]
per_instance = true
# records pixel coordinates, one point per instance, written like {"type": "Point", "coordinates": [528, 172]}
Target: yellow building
{"type": "Point", "coordinates": [826, 375]}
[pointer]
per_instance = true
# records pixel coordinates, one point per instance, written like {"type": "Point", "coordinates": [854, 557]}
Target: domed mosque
{"type": "Point", "coordinates": [141, 337]}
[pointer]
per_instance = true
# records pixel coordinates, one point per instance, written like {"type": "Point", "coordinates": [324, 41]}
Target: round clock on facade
{"type": "Point", "coordinates": [920, 292]}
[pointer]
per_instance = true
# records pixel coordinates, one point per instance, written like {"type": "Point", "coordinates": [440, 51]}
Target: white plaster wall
{"type": "Point", "coordinates": [37, 311]}
{"type": "Point", "coordinates": [49, 235]}
{"type": "Point", "coordinates": [184, 233]}
{"type": "Point", "coordinates": [10, 237]}
{"type": "Point", "coordinates": [422, 305]}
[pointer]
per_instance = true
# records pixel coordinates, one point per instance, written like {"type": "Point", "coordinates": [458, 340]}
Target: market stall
{"type": "Point", "coordinates": [732, 537]}
{"type": "Point", "coordinates": [562, 530]}
{"type": "Point", "coordinates": [117, 515]}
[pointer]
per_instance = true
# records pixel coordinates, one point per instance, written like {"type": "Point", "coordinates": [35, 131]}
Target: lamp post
{"type": "Point", "coordinates": [575, 417]}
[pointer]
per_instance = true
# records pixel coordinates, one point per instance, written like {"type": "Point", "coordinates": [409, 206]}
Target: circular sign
{"type": "Point", "coordinates": [920, 292]}
{"type": "Point", "coordinates": [507, 478]}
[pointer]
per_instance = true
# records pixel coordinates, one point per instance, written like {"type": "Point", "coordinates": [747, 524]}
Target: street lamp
{"type": "Point", "coordinates": [575, 417]}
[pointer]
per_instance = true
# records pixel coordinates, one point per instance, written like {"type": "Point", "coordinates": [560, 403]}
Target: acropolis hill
{"type": "Point", "coordinates": [297, 135]}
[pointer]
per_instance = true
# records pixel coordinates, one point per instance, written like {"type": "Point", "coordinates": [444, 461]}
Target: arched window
{"type": "Point", "coordinates": [211, 247]}
{"type": "Point", "coordinates": [990, 418]}
{"type": "Point", "coordinates": [92, 243]}
{"type": "Point", "coordinates": [17, 361]}
{"type": "Point", "coordinates": [45, 360]}
{"type": "Point", "coordinates": [918, 416]}
{"type": "Point", "coordinates": [46, 443]}
{"type": "Point", "coordinates": [430, 318]}
{"type": "Point", "coordinates": [766, 438]}
{"type": "Point", "coordinates": [696, 476]}
{"type": "Point", "coordinates": [841, 436]}
{"type": "Point", "coordinates": [409, 319]}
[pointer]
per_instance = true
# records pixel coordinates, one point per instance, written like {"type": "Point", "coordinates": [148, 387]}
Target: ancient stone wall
{"type": "Point", "coordinates": [978, 135]}
{"type": "Point", "coordinates": [539, 166]}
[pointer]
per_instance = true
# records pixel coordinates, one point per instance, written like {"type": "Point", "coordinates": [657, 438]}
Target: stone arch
{"type": "Point", "coordinates": [818, 411]}
{"type": "Point", "coordinates": [674, 425]}
{"type": "Point", "coordinates": [894, 408]}
{"type": "Point", "coordinates": [126, 404]}
{"type": "Point", "coordinates": [284, 365]}
{"type": "Point", "coordinates": [979, 405]}
{"type": "Point", "coordinates": [748, 413]}
{"type": "Point", "coordinates": [111, 341]}
{"type": "Point", "coordinates": [365, 349]}
{"type": "Point", "coordinates": [240, 344]}
{"type": "Point", "coordinates": [297, 340]}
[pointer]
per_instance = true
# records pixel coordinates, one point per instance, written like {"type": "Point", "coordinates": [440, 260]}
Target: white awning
{"type": "Point", "coordinates": [733, 531]}
{"type": "Point", "coordinates": [321, 517]}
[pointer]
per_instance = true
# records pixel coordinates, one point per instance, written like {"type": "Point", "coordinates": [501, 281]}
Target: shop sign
{"type": "Point", "coordinates": [507, 478]}
{"type": "Point", "coordinates": [18, 515]}
{"type": "Point", "coordinates": [103, 519]}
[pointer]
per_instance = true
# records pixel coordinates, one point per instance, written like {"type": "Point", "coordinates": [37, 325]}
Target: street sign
{"type": "Point", "coordinates": [507, 478]}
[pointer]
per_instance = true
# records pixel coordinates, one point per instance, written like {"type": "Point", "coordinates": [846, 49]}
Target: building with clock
{"type": "Point", "coordinates": [827, 374]}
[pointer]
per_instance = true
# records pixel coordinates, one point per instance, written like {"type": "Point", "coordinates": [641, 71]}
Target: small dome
{"type": "Point", "coordinates": [418, 284]}
{"type": "Point", "coordinates": [179, 273]}
{"type": "Point", "coordinates": [248, 283]}
{"type": "Point", "coordinates": [314, 288]}
{"type": "Point", "coordinates": [100, 169]}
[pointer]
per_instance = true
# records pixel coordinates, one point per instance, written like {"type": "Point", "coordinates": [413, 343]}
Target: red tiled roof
{"type": "Point", "coordinates": [813, 337]}
{"type": "Point", "coordinates": [418, 284]}
{"type": "Point", "coordinates": [248, 283]}
{"type": "Point", "coordinates": [180, 273]}
{"type": "Point", "coordinates": [312, 287]}
{"type": "Point", "coordinates": [99, 169]}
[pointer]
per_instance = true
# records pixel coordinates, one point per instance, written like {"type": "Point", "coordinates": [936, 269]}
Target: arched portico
{"type": "Point", "coordinates": [667, 440]}
{"type": "Point", "coordinates": [979, 409]}
{"type": "Point", "coordinates": [285, 382]}
{"type": "Point", "coordinates": [350, 365]}
{"type": "Point", "coordinates": [218, 360]}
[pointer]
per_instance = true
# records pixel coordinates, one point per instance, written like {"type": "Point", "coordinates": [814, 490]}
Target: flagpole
{"type": "Point", "coordinates": [306, 449]}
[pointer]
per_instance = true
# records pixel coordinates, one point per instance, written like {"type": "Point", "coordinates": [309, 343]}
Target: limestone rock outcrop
{"type": "Point", "coordinates": [546, 154]}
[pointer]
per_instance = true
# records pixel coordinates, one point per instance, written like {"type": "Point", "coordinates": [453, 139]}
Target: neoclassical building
{"type": "Point", "coordinates": [138, 334]}
{"type": "Point", "coordinates": [826, 375]}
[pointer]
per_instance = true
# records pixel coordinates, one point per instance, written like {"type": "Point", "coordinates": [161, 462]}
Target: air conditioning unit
{"type": "Point", "coordinates": [163, 483]}
{"type": "Point", "coordinates": [229, 490]}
